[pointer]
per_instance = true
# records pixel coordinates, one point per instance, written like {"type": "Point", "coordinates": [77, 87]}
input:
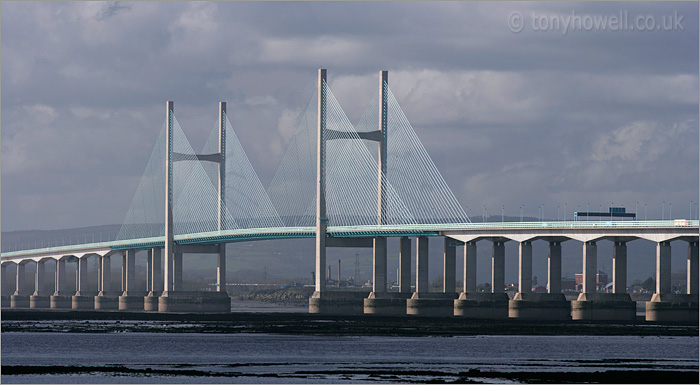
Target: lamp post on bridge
{"type": "Point", "coordinates": [521, 211]}
{"type": "Point", "coordinates": [542, 212]}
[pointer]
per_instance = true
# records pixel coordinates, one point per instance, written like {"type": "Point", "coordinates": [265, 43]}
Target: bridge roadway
{"type": "Point", "coordinates": [555, 232]}
{"type": "Point", "coordinates": [584, 231]}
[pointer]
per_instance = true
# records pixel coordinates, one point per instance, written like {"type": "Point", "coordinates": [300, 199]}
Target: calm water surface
{"type": "Point", "coordinates": [308, 359]}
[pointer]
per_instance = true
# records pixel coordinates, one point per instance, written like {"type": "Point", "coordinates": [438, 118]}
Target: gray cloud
{"type": "Point", "coordinates": [509, 118]}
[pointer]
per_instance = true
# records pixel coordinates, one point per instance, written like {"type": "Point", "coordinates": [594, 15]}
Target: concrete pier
{"type": "Point", "coordinates": [666, 306]}
{"type": "Point", "coordinates": [5, 298]}
{"type": "Point", "coordinates": [469, 280]}
{"type": "Point", "coordinates": [338, 302]}
{"type": "Point", "coordinates": [20, 298]}
{"type": "Point", "coordinates": [525, 267]}
{"type": "Point", "coordinates": [149, 271]}
{"type": "Point", "coordinates": [131, 298]}
{"type": "Point", "coordinates": [83, 298]}
{"type": "Point", "coordinates": [616, 306]}
{"type": "Point", "coordinates": [431, 304]}
{"type": "Point", "coordinates": [413, 306]}
{"type": "Point", "coordinates": [498, 267]}
{"type": "Point", "coordinates": [424, 303]}
{"type": "Point", "coordinates": [40, 299]}
{"type": "Point", "coordinates": [19, 301]}
{"type": "Point", "coordinates": [133, 301]}
{"type": "Point", "coordinates": [123, 281]}
{"type": "Point", "coordinates": [540, 306]}
{"type": "Point", "coordinates": [619, 267]}
{"type": "Point", "coordinates": [380, 301]}
{"type": "Point", "coordinates": [394, 303]}
{"type": "Point", "coordinates": [483, 305]}
{"type": "Point", "coordinates": [422, 265]}
{"type": "Point", "coordinates": [405, 265]}
{"type": "Point", "coordinates": [194, 302]}
{"type": "Point", "coordinates": [177, 272]}
{"type": "Point", "coordinates": [692, 268]}
{"type": "Point", "coordinates": [387, 303]}
{"type": "Point", "coordinates": [106, 298]}
{"type": "Point", "coordinates": [554, 267]}
{"type": "Point", "coordinates": [60, 298]}
{"type": "Point", "coordinates": [150, 301]}
{"type": "Point", "coordinates": [379, 265]}
{"type": "Point", "coordinates": [673, 308]}
{"type": "Point", "coordinates": [604, 307]}
{"type": "Point", "coordinates": [449, 271]}
{"type": "Point", "coordinates": [221, 269]}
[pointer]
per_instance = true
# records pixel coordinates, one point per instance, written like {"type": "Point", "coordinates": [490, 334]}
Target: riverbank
{"type": "Point", "coordinates": [36, 320]}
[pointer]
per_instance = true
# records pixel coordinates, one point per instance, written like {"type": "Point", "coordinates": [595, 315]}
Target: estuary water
{"type": "Point", "coordinates": [132, 357]}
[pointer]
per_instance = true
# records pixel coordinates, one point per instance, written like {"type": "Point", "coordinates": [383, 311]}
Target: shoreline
{"type": "Point", "coordinates": [76, 321]}
{"type": "Point", "coordinates": [641, 376]}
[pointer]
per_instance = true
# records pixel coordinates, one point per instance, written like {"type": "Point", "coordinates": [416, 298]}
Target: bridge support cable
{"type": "Point", "coordinates": [352, 190]}
{"type": "Point", "coordinates": [410, 170]}
{"type": "Point", "coordinates": [195, 199]}
{"type": "Point", "coordinates": [292, 190]}
{"type": "Point", "coordinates": [196, 203]}
{"type": "Point", "coordinates": [145, 217]}
{"type": "Point", "coordinates": [244, 197]}
{"type": "Point", "coordinates": [351, 175]}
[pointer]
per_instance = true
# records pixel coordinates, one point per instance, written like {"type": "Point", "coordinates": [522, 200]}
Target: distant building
{"type": "Point", "coordinates": [568, 284]}
{"type": "Point", "coordinates": [601, 280]}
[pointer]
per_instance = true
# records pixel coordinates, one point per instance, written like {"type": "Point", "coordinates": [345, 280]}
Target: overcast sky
{"type": "Point", "coordinates": [509, 118]}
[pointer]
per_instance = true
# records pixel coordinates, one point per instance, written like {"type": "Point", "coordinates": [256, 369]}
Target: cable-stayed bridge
{"type": "Point", "coordinates": [346, 186]}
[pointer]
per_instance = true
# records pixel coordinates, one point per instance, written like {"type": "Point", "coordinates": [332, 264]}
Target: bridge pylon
{"type": "Point", "coordinates": [321, 217]}
{"type": "Point", "coordinates": [173, 297]}
{"type": "Point", "coordinates": [322, 301]}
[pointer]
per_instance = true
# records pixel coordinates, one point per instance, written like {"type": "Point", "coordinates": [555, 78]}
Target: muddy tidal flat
{"type": "Point", "coordinates": [287, 347]}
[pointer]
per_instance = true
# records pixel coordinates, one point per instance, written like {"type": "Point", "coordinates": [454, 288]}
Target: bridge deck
{"type": "Point", "coordinates": [580, 230]}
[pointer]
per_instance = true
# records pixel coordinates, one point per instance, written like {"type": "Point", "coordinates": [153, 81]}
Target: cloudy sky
{"type": "Point", "coordinates": [512, 114]}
